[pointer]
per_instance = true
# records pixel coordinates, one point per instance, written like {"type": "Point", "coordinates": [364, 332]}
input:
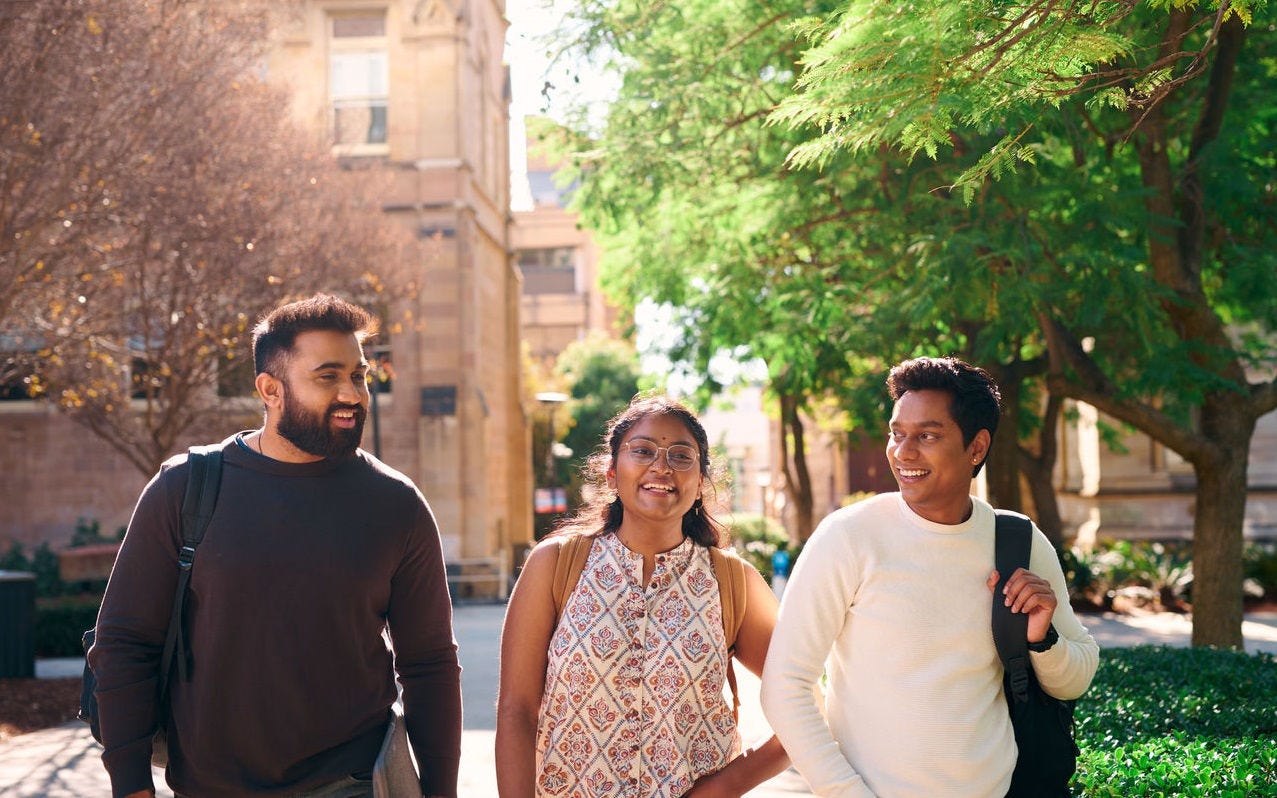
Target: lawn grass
{"type": "Point", "coordinates": [1173, 722]}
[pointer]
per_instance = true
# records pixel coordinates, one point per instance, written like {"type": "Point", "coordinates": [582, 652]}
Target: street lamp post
{"type": "Point", "coordinates": [551, 400]}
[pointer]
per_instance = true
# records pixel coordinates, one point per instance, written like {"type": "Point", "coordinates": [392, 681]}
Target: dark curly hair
{"type": "Point", "coordinates": [602, 513]}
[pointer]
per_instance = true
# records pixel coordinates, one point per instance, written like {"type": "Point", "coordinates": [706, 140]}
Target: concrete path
{"type": "Point", "coordinates": [66, 763]}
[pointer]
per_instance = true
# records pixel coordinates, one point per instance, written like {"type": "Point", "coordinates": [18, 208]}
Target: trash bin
{"type": "Point", "coordinates": [17, 625]}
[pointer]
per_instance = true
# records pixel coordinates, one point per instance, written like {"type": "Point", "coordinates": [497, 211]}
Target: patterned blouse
{"type": "Point", "coordinates": [634, 704]}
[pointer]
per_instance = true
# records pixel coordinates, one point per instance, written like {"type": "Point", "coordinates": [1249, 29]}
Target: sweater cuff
{"type": "Point", "coordinates": [439, 776]}
{"type": "Point", "coordinates": [130, 768]}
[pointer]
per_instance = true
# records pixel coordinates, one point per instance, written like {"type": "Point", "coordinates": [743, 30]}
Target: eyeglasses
{"type": "Point", "coordinates": [680, 456]}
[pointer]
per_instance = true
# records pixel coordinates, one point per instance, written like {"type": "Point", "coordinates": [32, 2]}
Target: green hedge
{"type": "Point", "coordinates": [1179, 722]}
{"type": "Point", "coordinates": [60, 623]}
{"type": "Point", "coordinates": [756, 539]}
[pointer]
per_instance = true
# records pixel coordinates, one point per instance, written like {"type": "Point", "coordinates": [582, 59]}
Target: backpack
{"type": "Point", "coordinates": [1043, 723]}
{"type": "Point", "coordinates": [202, 484]}
{"type": "Point", "coordinates": [729, 571]}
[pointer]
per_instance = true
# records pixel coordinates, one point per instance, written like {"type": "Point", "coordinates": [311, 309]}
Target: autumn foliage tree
{"type": "Point", "coordinates": [155, 199]}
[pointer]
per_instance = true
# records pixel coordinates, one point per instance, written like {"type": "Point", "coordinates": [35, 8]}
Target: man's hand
{"type": "Point", "coordinates": [1029, 593]}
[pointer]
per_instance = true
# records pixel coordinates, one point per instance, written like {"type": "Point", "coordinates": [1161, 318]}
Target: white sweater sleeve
{"type": "Point", "coordinates": [1066, 669]}
{"type": "Point", "coordinates": [812, 613]}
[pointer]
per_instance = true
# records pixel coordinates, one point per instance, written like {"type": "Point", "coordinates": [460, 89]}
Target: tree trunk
{"type": "Point", "coordinates": [798, 479]}
{"type": "Point", "coordinates": [1218, 523]}
{"type": "Point", "coordinates": [1039, 471]}
{"type": "Point", "coordinates": [1003, 463]}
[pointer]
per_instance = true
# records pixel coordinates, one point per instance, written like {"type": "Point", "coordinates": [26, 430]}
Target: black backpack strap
{"type": "Point", "coordinates": [1013, 542]}
{"type": "Point", "coordinates": [204, 478]}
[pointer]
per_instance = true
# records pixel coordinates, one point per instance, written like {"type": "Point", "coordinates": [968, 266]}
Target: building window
{"type": "Point", "coordinates": [546, 190]}
{"type": "Point", "coordinates": [358, 84]}
{"type": "Point", "coordinates": [548, 271]}
{"type": "Point", "coordinates": [146, 381]}
{"type": "Point", "coordinates": [16, 385]}
{"type": "Point", "coordinates": [17, 373]}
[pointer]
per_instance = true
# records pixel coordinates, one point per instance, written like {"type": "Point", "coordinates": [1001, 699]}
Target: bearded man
{"type": "Point", "coordinates": [316, 557]}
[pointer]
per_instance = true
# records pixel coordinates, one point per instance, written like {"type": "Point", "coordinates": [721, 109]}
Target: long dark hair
{"type": "Point", "coordinates": [602, 512]}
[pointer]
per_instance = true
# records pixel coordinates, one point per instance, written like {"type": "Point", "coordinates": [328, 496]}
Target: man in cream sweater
{"type": "Point", "coordinates": [892, 597]}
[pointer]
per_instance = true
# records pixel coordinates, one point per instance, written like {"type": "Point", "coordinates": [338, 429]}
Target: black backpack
{"type": "Point", "coordinates": [1043, 724]}
{"type": "Point", "coordinates": [202, 484]}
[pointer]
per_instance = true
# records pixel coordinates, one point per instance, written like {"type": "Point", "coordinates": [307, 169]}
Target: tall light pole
{"type": "Point", "coordinates": [551, 400]}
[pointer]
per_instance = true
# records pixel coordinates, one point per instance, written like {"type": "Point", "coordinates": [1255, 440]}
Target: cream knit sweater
{"type": "Point", "coordinates": [896, 609]}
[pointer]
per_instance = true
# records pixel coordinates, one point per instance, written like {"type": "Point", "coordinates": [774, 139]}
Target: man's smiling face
{"type": "Point", "coordinates": [931, 464]}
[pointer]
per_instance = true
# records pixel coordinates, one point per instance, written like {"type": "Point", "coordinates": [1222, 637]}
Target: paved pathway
{"type": "Point", "coordinates": [66, 763]}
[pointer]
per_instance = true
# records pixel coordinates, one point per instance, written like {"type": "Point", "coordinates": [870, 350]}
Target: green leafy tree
{"type": "Point", "coordinates": [1155, 118]}
{"type": "Point", "coordinates": [687, 191]}
{"type": "Point", "coordinates": [604, 375]}
{"type": "Point", "coordinates": [598, 376]}
{"type": "Point", "coordinates": [1140, 225]}
{"type": "Point", "coordinates": [829, 276]}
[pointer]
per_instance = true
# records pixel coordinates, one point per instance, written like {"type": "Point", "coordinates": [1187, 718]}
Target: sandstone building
{"type": "Point", "coordinates": [418, 88]}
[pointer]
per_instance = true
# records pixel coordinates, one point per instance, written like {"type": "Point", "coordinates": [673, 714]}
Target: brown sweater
{"type": "Point", "coordinates": [301, 568]}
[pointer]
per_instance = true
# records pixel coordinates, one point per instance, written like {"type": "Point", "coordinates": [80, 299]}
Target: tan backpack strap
{"type": "Point", "coordinates": [729, 571]}
{"type": "Point", "coordinates": [573, 552]}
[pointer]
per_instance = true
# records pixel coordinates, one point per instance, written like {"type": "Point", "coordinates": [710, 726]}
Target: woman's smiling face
{"type": "Point", "coordinates": [655, 492]}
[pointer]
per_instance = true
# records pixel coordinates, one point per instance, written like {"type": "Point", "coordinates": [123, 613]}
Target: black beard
{"type": "Point", "coordinates": [314, 433]}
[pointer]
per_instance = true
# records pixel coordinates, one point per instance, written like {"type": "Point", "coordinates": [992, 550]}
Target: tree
{"type": "Point", "coordinates": [603, 375]}
{"type": "Point", "coordinates": [972, 252]}
{"type": "Point", "coordinates": [687, 192]}
{"type": "Point", "coordinates": [599, 376]}
{"type": "Point", "coordinates": [828, 277]}
{"type": "Point", "coordinates": [1161, 101]}
{"type": "Point", "coordinates": [157, 199]}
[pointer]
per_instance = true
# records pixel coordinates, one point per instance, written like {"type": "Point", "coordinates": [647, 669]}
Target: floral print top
{"type": "Point", "coordinates": [634, 704]}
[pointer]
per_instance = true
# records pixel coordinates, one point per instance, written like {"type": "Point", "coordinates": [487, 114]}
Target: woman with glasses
{"type": "Point", "coordinates": [621, 692]}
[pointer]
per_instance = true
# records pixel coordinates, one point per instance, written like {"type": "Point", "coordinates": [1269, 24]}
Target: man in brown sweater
{"type": "Point", "coordinates": [314, 550]}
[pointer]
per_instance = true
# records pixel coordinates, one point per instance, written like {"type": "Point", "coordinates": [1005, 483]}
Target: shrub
{"type": "Point", "coordinates": [42, 562]}
{"type": "Point", "coordinates": [88, 532]}
{"type": "Point", "coordinates": [1260, 562]}
{"type": "Point", "coordinates": [1078, 574]}
{"type": "Point", "coordinates": [61, 622]}
{"type": "Point", "coordinates": [858, 496]}
{"type": "Point", "coordinates": [1178, 721]}
{"type": "Point", "coordinates": [757, 538]}
{"type": "Point", "coordinates": [1165, 569]}
{"type": "Point", "coordinates": [63, 610]}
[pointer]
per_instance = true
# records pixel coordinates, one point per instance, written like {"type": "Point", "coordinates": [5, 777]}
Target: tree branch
{"type": "Point", "coordinates": [1087, 383]}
